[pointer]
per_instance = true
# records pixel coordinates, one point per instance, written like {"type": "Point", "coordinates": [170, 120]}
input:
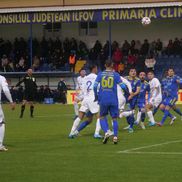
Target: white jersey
{"type": "Point", "coordinates": [155, 88]}
{"type": "Point", "coordinates": [121, 98]}
{"type": "Point", "coordinates": [5, 89]}
{"type": "Point", "coordinates": [88, 88]}
{"type": "Point", "coordinates": [80, 82]}
{"type": "Point", "coordinates": [3, 84]}
{"type": "Point", "coordinates": [88, 103]}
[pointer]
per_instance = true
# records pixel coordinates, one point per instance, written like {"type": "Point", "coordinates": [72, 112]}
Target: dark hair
{"type": "Point", "coordinates": [108, 63]}
{"type": "Point", "coordinates": [170, 68]}
{"type": "Point", "coordinates": [91, 67]}
{"type": "Point", "coordinates": [150, 71]}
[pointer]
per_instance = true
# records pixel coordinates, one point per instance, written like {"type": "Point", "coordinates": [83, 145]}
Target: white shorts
{"type": "Point", "coordinates": [121, 102]}
{"type": "Point", "coordinates": [89, 105]}
{"type": "Point", "coordinates": [155, 102]}
{"type": "Point", "coordinates": [79, 97]}
{"type": "Point", "coordinates": [2, 120]}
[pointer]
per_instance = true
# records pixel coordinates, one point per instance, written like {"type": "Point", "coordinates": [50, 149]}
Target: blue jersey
{"type": "Point", "coordinates": [108, 87]}
{"type": "Point", "coordinates": [134, 83]}
{"type": "Point", "coordinates": [172, 86]}
{"type": "Point", "coordinates": [144, 89]}
{"type": "Point", "coordinates": [164, 88]}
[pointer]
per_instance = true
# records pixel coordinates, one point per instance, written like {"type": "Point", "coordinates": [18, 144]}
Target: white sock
{"type": "Point", "coordinates": [75, 125]}
{"type": "Point", "coordinates": [2, 132]}
{"type": "Point", "coordinates": [151, 117]}
{"type": "Point", "coordinates": [138, 116]}
{"type": "Point", "coordinates": [98, 127]}
{"type": "Point", "coordinates": [76, 108]}
{"type": "Point", "coordinates": [126, 114]}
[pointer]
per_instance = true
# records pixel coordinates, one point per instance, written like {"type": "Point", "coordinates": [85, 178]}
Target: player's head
{"type": "Point", "coordinates": [142, 75]}
{"type": "Point", "coordinates": [132, 72]}
{"type": "Point", "coordinates": [29, 72]}
{"type": "Point", "coordinates": [170, 72]}
{"type": "Point", "coordinates": [93, 69]}
{"type": "Point", "coordinates": [150, 75]}
{"type": "Point", "coordinates": [82, 72]}
{"type": "Point", "coordinates": [109, 64]}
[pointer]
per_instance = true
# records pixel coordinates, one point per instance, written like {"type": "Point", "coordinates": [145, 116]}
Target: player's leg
{"type": "Point", "coordinates": [2, 130]}
{"type": "Point", "coordinates": [23, 108]}
{"type": "Point", "coordinates": [103, 122]}
{"type": "Point", "coordinates": [76, 124]}
{"type": "Point", "coordinates": [131, 118]}
{"type": "Point", "coordinates": [166, 114]}
{"type": "Point", "coordinates": [84, 124]}
{"type": "Point", "coordinates": [76, 106]}
{"type": "Point", "coordinates": [177, 110]}
{"type": "Point", "coordinates": [149, 108]}
{"type": "Point", "coordinates": [31, 108]}
{"type": "Point", "coordinates": [97, 129]}
{"type": "Point", "coordinates": [114, 112]}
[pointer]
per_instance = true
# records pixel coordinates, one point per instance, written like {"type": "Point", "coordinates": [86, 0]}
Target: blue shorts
{"type": "Point", "coordinates": [132, 103]}
{"type": "Point", "coordinates": [141, 105]}
{"type": "Point", "coordinates": [169, 101]}
{"type": "Point", "coordinates": [89, 114]}
{"type": "Point", "coordinates": [112, 109]}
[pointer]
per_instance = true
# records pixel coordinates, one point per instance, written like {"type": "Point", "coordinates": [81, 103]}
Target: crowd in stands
{"type": "Point", "coordinates": [58, 55]}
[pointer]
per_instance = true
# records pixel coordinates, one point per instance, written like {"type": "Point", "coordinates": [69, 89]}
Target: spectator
{"type": "Point", "coordinates": [47, 92]}
{"type": "Point", "coordinates": [72, 61]}
{"type": "Point", "coordinates": [36, 63]}
{"type": "Point", "coordinates": [132, 59]}
{"type": "Point", "coordinates": [176, 46]}
{"type": "Point", "coordinates": [102, 59]}
{"type": "Point", "coordinates": [5, 67]}
{"type": "Point", "coordinates": [125, 48]}
{"type": "Point", "coordinates": [117, 57]}
{"type": "Point", "coordinates": [169, 49]}
{"type": "Point", "coordinates": [62, 88]}
{"type": "Point", "coordinates": [145, 48]}
{"type": "Point", "coordinates": [20, 67]}
{"type": "Point", "coordinates": [150, 62]}
{"type": "Point", "coordinates": [158, 46]}
{"type": "Point", "coordinates": [137, 47]}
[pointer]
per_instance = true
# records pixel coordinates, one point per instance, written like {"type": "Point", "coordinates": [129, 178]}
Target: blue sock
{"type": "Point", "coordinates": [115, 128]}
{"type": "Point", "coordinates": [130, 120]}
{"type": "Point", "coordinates": [104, 124]}
{"type": "Point", "coordinates": [166, 113]}
{"type": "Point", "coordinates": [169, 114]}
{"type": "Point", "coordinates": [143, 117]}
{"type": "Point", "coordinates": [155, 110]}
{"type": "Point", "coordinates": [177, 110]}
{"type": "Point", "coordinates": [83, 125]}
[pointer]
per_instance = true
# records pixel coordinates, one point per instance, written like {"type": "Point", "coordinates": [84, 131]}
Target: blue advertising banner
{"type": "Point", "coordinates": [95, 15]}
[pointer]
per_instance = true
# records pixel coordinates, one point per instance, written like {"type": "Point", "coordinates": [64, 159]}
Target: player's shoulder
{"type": "Point", "coordinates": [2, 77]}
{"type": "Point", "coordinates": [146, 82]}
{"type": "Point", "coordinates": [127, 77]}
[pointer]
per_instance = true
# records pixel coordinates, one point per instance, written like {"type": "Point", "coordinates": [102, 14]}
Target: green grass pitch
{"type": "Point", "coordinates": [40, 151]}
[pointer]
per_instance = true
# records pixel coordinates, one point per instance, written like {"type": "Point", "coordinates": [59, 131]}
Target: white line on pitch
{"type": "Point", "coordinates": [157, 153]}
{"type": "Point", "coordinates": [149, 146]}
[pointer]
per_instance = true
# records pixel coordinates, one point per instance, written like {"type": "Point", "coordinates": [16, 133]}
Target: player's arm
{"type": "Point", "coordinates": [147, 96]}
{"type": "Point", "coordinates": [179, 80]}
{"type": "Point", "coordinates": [128, 84]}
{"type": "Point", "coordinates": [138, 88]}
{"type": "Point", "coordinates": [121, 83]}
{"type": "Point", "coordinates": [96, 83]}
{"type": "Point", "coordinates": [20, 82]}
{"type": "Point", "coordinates": [7, 92]}
{"type": "Point", "coordinates": [155, 89]}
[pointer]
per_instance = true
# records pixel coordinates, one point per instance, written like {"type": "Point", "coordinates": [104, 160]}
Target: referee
{"type": "Point", "coordinates": [29, 92]}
